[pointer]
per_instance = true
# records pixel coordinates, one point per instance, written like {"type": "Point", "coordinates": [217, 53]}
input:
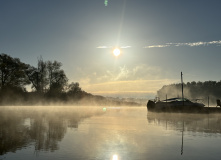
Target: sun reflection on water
{"type": "Point", "coordinates": [115, 157]}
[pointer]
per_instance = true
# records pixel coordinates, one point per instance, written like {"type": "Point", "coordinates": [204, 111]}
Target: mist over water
{"type": "Point", "coordinates": [112, 133]}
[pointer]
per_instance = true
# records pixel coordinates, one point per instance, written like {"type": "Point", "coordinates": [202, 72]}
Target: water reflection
{"type": "Point", "coordinates": [117, 133]}
{"type": "Point", "coordinates": [115, 157]}
{"type": "Point", "coordinates": [182, 140]}
{"type": "Point", "coordinates": [13, 135]}
{"type": "Point", "coordinates": [45, 127]}
{"type": "Point", "coordinates": [206, 123]}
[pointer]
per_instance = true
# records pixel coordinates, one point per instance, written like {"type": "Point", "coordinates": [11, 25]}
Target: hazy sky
{"type": "Point", "coordinates": [158, 39]}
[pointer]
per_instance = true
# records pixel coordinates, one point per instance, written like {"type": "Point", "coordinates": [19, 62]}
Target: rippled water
{"type": "Point", "coordinates": [112, 133]}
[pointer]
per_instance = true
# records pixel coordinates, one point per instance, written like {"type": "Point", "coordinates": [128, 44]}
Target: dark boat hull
{"type": "Point", "coordinates": [184, 110]}
{"type": "Point", "coordinates": [153, 107]}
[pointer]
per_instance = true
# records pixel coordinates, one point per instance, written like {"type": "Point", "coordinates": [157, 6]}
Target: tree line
{"type": "Point", "coordinates": [48, 81]}
{"type": "Point", "coordinates": [193, 90]}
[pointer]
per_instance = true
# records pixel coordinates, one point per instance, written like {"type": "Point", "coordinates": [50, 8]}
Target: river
{"type": "Point", "coordinates": [106, 133]}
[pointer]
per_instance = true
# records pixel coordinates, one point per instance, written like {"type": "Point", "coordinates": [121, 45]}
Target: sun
{"type": "Point", "coordinates": [116, 52]}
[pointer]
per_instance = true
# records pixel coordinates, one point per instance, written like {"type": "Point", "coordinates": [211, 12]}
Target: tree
{"type": "Point", "coordinates": [32, 74]}
{"type": "Point", "coordinates": [74, 88]}
{"type": "Point", "coordinates": [56, 76]}
{"type": "Point", "coordinates": [38, 76]}
{"type": "Point", "coordinates": [42, 75]}
{"type": "Point", "coordinates": [75, 92]}
{"type": "Point", "coordinates": [12, 72]}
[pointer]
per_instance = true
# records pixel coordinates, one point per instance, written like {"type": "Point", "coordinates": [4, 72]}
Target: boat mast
{"type": "Point", "coordinates": [182, 87]}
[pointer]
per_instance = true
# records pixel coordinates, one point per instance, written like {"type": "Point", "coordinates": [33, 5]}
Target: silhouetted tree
{"type": "Point", "coordinates": [32, 74]}
{"type": "Point", "coordinates": [12, 72]}
{"type": "Point", "coordinates": [74, 91]}
{"type": "Point", "coordinates": [48, 81]}
{"type": "Point", "coordinates": [38, 76]}
{"type": "Point", "coordinates": [42, 75]}
{"type": "Point", "coordinates": [56, 76]}
{"type": "Point", "coordinates": [74, 88]}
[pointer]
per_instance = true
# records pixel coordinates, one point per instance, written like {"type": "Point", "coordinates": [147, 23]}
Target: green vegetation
{"type": "Point", "coordinates": [49, 85]}
{"type": "Point", "coordinates": [193, 90]}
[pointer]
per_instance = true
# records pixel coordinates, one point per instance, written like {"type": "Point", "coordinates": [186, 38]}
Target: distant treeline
{"type": "Point", "coordinates": [49, 85]}
{"type": "Point", "coordinates": [193, 90]}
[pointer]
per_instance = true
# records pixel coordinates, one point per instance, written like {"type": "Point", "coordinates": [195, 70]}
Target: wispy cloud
{"type": "Point", "coordinates": [131, 86]}
{"type": "Point", "coordinates": [125, 47]}
{"type": "Point", "coordinates": [125, 80]}
{"type": "Point", "coordinates": [157, 46]}
{"type": "Point", "coordinates": [141, 71]}
{"type": "Point", "coordinates": [191, 44]}
{"type": "Point", "coordinates": [103, 47]}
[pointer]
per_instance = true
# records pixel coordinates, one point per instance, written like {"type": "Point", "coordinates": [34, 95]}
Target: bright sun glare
{"type": "Point", "coordinates": [115, 157]}
{"type": "Point", "coordinates": [116, 52]}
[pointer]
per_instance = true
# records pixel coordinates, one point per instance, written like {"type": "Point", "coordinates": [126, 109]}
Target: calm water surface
{"type": "Point", "coordinates": [114, 133]}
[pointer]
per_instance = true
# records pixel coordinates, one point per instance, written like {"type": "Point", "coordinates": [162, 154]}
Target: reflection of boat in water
{"type": "Point", "coordinates": [185, 125]}
{"type": "Point", "coordinates": [196, 123]}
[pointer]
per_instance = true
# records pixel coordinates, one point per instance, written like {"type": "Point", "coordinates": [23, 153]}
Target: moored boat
{"type": "Point", "coordinates": [180, 105]}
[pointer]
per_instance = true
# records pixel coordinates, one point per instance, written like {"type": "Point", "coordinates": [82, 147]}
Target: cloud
{"type": "Point", "coordinates": [141, 71]}
{"type": "Point", "coordinates": [215, 42]}
{"type": "Point", "coordinates": [125, 87]}
{"type": "Point", "coordinates": [191, 44]}
{"type": "Point", "coordinates": [125, 47]}
{"type": "Point", "coordinates": [139, 80]}
{"type": "Point", "coordinates": [123, 74]}
{"type": "Point", "coordinates": [157, 46]}
{"type": "Point", "coordinates": [103, 47]}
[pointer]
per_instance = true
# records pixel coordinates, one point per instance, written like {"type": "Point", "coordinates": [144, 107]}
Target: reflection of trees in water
{"type": "Point", "coordinates": [45, 127]}
{"type": "Point", "coordinates": [207, 123]}
{"type": "Point", "coordinates": [13, 135]}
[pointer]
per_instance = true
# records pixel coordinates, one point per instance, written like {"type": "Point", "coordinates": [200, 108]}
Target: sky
{"type": "Point", "coordinates": [157, 38]}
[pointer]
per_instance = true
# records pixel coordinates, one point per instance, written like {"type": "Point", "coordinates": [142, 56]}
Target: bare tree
{"type": "Point", "coordinates": [42, 75]}
{"type": "Point", "coordinates": [38, 76]}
